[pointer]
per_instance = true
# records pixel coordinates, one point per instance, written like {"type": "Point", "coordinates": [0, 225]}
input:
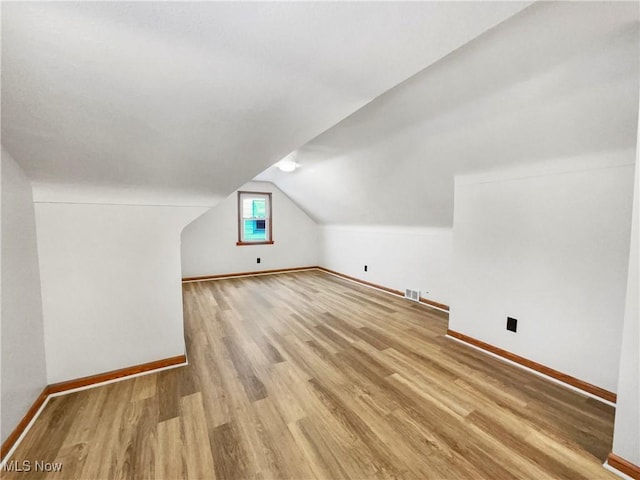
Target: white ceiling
{"type": "Point", "coordinates": [195, 98]}
{"type": "Point", "coordinates": [557, 80]}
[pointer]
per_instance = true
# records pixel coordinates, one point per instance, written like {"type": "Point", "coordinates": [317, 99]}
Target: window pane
{"type": "Point", "coordinates": [259, 208]}
{"type": "Point", "coordinates": [247, 208]}
{"type": "Point", "coordinates": [254, 208]}
{"type": "Point", "coordinates": [255, 230]}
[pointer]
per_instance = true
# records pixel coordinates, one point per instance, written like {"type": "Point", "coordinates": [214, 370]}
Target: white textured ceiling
{"type": "Point", "coordinates": [557, 80]}
{"type": "Point", "coordinates": [195, 98]}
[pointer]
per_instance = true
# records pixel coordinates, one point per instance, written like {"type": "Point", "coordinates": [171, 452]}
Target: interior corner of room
{"type": "Point", "coordinates": [488, 169]}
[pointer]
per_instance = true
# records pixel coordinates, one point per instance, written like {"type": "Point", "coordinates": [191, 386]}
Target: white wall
{"type": "Point", "coordinates": [111, 286]}
{"type": "Point", "coordinates": [23, 353]}
{"type": "Point", "coordinates": [396, 257]}
{"type": "Point", "coordinates": [550, 247]}
{"type": "Point", "coordinates": [626, 434]}
{"type": "Point", "coordinates": [209, 243]}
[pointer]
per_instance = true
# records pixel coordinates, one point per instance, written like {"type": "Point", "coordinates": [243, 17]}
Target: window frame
{"type": "Point", "coordinates": [268, 219]}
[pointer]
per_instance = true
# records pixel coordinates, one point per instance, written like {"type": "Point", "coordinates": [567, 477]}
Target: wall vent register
{"type": "Point", "coordinates": [412, 295]}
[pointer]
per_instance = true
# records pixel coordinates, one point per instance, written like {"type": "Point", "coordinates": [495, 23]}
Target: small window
{"type": "Point", "coordinates": [254, 218]}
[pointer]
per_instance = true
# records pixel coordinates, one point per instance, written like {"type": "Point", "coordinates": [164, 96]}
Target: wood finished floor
{"type": "Point", "coordinates": [305, 375]}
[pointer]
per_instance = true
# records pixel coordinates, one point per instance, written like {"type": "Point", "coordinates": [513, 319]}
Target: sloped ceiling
{"type": "Point", "coordinates": [557, 80]}
{"type": "Point", "coordinates": [196, 98]}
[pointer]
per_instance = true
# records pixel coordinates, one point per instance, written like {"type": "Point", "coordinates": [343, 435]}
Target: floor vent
{"type": "Point", "coordinates": [412, 295]}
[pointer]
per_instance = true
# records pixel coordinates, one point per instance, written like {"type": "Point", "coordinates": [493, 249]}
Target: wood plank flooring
{"type": "Point", "coordinates": [305, 375]}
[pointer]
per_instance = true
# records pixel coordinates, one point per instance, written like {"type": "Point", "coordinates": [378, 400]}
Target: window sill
{"type": "Point", "coordinates": [244, 244]}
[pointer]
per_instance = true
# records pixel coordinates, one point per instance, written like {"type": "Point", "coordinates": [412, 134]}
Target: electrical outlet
{"type": "Point", "coordinates": [512, 324]}
{"type": "Point", "coordinates": [258, 260]}
{"type": "Point", "coordinates": [366, 268]}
